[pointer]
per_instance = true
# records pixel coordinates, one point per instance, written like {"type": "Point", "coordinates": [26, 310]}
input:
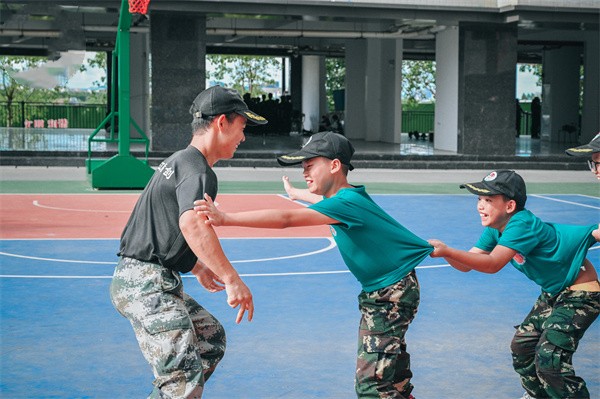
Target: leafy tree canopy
{"type": "Point", "coordinates": [11, 90]}
{"type": "Point", "coordinates": [418, 81]}
{"type": "Point", "coordinates": [248, 74]}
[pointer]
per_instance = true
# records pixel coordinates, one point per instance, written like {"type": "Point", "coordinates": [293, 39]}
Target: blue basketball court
{"type": "Point", "coordinates": [61, 337]}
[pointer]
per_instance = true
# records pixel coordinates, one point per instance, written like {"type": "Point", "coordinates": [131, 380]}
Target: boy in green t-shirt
{"type": "Point", "coordinates": [553, 256]}
{"type": "Point", "coordinates": [380, 252]}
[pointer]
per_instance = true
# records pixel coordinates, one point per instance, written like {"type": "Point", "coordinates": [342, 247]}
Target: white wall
{"type": "Point", "coordinates": [313, 89]}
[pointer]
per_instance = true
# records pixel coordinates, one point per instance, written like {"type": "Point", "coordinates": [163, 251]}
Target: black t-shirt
{"type": "Point", "coordinates": [152, 233]}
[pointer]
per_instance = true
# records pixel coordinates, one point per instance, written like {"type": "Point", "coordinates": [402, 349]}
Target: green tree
{"type": "Point", "coordinates": [418, 81]}
{"type": "Point", "coordinates": [12, 91]}
{"type": "Point", "coordinates": [335, 78]}
{"type": "Point", "coordinates": [248, 74]}
{"type": "Point", "coordinates": [99, 60]}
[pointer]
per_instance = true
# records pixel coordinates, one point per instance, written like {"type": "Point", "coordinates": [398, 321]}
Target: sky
{"type": "Point", "coordinates": [85, 80]}
{"type": "Point", "coordinates": [526, 82]}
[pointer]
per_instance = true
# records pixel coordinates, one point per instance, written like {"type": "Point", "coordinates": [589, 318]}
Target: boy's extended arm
{"type": "Point", "coordinates": [475, 259]}
{"type": "Point", "coordinates": [299, 193]}
{"type": "Point", "coordinates": [265, 218]}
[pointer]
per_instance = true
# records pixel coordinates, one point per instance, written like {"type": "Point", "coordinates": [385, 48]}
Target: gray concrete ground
{"type": "Point", "coordinates": [34, 173]}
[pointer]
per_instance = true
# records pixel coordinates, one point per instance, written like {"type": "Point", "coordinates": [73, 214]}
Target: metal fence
{"type": "Point", "coordinates": [82, 120]}
{"type": "Point", "coordinates": [417, 121]}
{"type": "Point", "coordinates": [51, 116]}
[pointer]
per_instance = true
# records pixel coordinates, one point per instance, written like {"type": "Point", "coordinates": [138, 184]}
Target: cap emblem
{"type": "Point", "coordinates": [491, 177]}
{"type": "Point", "coordinates": [308, 141]}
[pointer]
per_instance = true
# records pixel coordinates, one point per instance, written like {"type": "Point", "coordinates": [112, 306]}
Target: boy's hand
{"type": "Point", "coordinates": [439, 248]}
{"type": "Point", "coordinates": [289, 189]}
{"type": "Point", "coordinates": [208, 209]}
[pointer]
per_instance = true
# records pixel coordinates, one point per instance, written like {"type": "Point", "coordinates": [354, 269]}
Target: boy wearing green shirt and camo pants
{"type": "Point", "coordinates": [553, 256]}
{"type": "Point", "coordinates": [380, 252]}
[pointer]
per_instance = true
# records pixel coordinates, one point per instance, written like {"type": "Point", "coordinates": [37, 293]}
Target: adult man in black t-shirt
{"type": "Point", "coordinates": [164, 237]}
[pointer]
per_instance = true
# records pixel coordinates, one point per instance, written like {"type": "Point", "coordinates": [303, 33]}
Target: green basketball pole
{"type": "Point", "coordinates": [122, 171]}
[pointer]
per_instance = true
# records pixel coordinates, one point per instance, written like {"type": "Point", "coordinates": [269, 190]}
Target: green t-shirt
{"type": "Point", "coordinates": [549, 254]}
{"type": "Point", "coordinates": [377, 249]}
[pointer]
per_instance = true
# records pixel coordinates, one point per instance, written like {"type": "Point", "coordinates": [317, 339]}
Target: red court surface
{"type": "Point", "coordinates": [30, 216]}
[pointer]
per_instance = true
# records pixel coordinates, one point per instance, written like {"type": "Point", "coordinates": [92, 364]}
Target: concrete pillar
{"type": "Point", "coordinates": [373, 94]}
{"type": "Point", "coordinates": [296, 82]}
{"type": "Point", "coordinates": [354, 118]}
{"type": "Point", "coordinates": [139, 82]}
{"type": "Point", "coordinates": [487, 86]}
{"type": "Point", "coordinates": [390, 91]}
{"type": "Point", "coordinates": [560, 93]}
{"type": "Point", "coordinates": [178, 49]}
{"type": "Point", "coordinates": [373, 90]}
{"type": "Point", "coordinates": [313, 91]}
{"type": "Point", "coordinates": [590, 115]}
{"type": "Point", "coordinates": [446, 90]}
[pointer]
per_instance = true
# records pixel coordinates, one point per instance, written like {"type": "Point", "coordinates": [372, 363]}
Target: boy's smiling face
{"type": "Point", "coordinates": [495, 211]}
{"type": "Point", "coordinates": [317, 174]}
{"type": "Point", "coordinates": [232, 137]}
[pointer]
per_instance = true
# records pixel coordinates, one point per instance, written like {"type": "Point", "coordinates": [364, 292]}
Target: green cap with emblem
{"type": "Point", "coordinates": [219, 100]}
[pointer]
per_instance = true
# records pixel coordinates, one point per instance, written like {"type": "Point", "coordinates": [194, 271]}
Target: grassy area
{"type": "Point", "coordinates": [76, 187]}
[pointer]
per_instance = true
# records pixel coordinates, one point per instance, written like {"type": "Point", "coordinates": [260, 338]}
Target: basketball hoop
{"type": "Point", "coordinates": [138, 6]}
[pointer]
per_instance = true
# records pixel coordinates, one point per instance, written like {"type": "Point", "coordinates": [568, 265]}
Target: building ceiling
{"type": "Point", "coordinates": [286, 27]}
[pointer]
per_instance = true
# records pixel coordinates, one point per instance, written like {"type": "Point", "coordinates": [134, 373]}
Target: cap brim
{"type": "Point", "coordinates": [582, 151]}
{"type": "Point", "coordinates": [252, 118]}
{"type": "Point", "coordinates": [479, 189]}
{"type": "Point", "coordinates": [299, 157]}
{"type": "Point", "coordinates": [295, 158]}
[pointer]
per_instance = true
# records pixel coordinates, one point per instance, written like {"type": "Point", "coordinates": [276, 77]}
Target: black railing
{"type": "Point", "coordinates": [41, 115]}
{"type": "Point", "coordinates": [417, 121]}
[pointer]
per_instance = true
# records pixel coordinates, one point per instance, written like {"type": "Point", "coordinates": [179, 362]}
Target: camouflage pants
{"type": "Point", "coordinates": [543, 346]}
{"type": "Point", "coordinates": [383, 365]}
{"type": "Point", "coordinates": [182, 341]}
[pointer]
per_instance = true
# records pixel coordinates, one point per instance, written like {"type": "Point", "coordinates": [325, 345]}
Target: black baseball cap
{"type": "Point", "coordinates": [323, 144]}
{"type": "Point", "coordinates": [503, 181]}
{"type": "Point", "coordinates": [219, 100]}
{"type": "Point", "coordinates": [587, 149]}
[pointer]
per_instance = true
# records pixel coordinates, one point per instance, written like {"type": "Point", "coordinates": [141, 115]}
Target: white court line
{"type": "Point", "coordinates": [564, 201]}
{"type": "Point", "coordinates": [330, 246]}
{"type": "Point", "coordinates": [282, 274]}
{"type": "Point", "coordinates": [36, 203]}
{"type": "Point", "coordinates": [242, 275]}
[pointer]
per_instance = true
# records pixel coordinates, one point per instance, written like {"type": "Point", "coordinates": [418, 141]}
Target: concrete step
{"type": "Point", "coordinates": [261, 159]}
